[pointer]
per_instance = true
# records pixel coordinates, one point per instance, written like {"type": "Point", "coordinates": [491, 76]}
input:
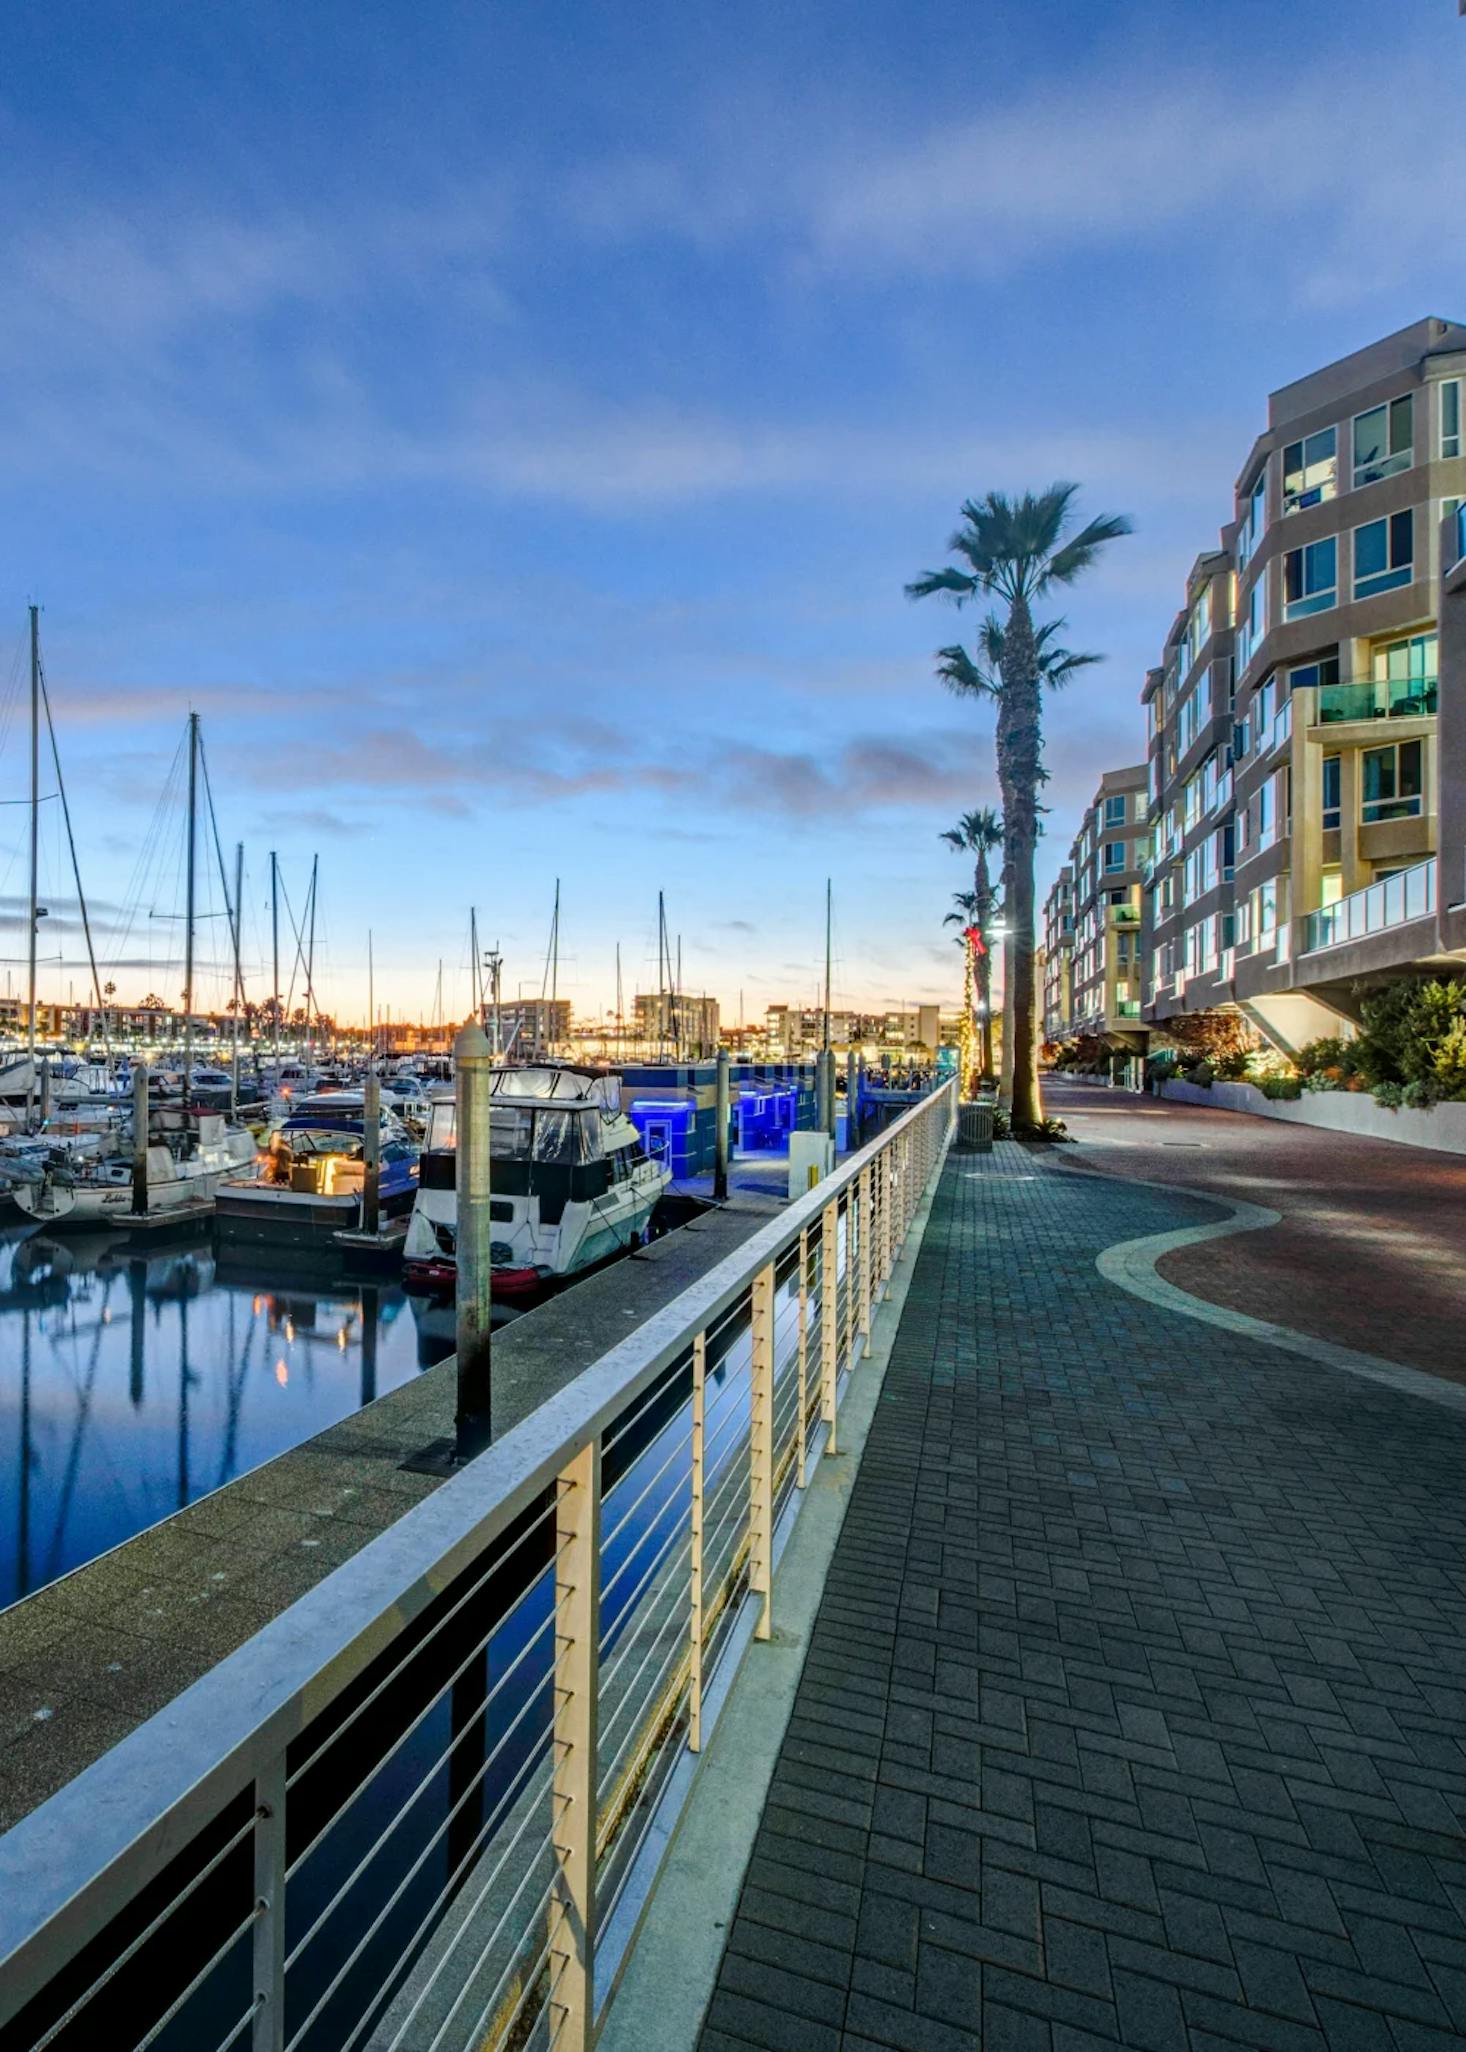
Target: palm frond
{"type": "Point", "coordinates": [961, 674]}
{"type": "Point", "coordinates": [1077, 554]}
{"type": "Point", "coordinates": [954, 583]}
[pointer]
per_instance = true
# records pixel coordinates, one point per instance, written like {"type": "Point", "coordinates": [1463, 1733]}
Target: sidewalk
{"type": "Point", "coordinates": [1134, 1710]}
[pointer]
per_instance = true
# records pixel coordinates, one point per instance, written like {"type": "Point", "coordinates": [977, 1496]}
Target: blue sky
{"type": "Point", "coordinates": [511, 426]}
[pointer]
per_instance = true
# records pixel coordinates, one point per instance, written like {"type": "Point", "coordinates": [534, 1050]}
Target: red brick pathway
{"type": "Point", "coordinates": [1371, 1250]}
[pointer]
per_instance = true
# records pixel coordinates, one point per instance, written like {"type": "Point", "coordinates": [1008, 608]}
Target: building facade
{"type": "Point", "coordinates": [1099, 987]}
{"type": "Point", "coordinates": [1294, 747]}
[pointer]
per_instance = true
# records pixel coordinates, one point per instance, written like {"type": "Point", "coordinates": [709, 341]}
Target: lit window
{"type": "Point", "coordinates": [1383, 441]}
{"type": "Point", "coordinates": [1384, 555]}
{"type": "Point", "coordinates": [1392, 782]}
{"type": "Point", "coordinates": [1310, 579]}
{"type": "Point", "coordinates": [1330, 793]}
{"type": "Point", "coordinates": [1310, 470]}
{"type": "Point", "coordinates": [1451, 417]}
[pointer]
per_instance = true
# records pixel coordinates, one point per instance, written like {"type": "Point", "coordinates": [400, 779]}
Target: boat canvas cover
{"type": "Point", "coordinates": [576, 1086]}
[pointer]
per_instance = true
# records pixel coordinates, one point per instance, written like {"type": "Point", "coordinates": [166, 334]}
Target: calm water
{"type": "Point", "coordinates": [133, 1381]}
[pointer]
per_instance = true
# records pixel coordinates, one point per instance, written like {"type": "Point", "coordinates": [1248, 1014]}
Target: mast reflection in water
{"type": "Point", "coordinates": [135, 1380]}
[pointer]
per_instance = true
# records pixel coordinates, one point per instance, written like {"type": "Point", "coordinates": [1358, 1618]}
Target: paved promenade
{"type": "Point", "coordinates": [1135, 1710]}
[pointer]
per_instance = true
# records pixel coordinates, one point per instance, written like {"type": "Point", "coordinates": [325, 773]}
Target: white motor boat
{"type": "Point", "coordinates": [572, 1183]}
{"type": "Point", "coordinates": [189, 1155]}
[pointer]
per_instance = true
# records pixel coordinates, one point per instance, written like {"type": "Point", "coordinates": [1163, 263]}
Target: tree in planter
{"type": "Point", "coordinates": [978, 834]}
{"type": "Point", "coordinates": [1018, 550]}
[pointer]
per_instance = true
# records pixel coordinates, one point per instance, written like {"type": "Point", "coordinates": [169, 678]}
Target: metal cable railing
{"type": "Point", "coordinates": [404, 1813]}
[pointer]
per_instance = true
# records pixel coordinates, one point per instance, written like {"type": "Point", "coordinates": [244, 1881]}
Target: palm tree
{"type": "Point", "coordinates": [977, 834]}
{"type": "Point", "coordinates": [1017, 550]}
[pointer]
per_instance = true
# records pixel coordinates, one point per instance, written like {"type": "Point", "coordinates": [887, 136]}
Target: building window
{"type": "Point", "coordinates": [1310, 470]}
{"type": "Point", "coordinates": [1451, 417]}
{"type": "Point", "coordinates": [1321, 671]}
{"type": "Point", "coordinates": [1227, 850]}
{"type": "Point", "coordinates": [1384, 555]}
{"type": "Point", "coordinates": [1254, 519]}
{"type": "Point", "coordinates": [1331, 794]}
{"type": "Point", "coordinates": [1310, 579]}
{"type": "Point", "coordinates": [1392, 782]}
{"type": "Point", "coordinates": [1115, 811]}
{"type": "Point", "coordinates": [1114, 856]}
{"type": "Point", "coordinates": [1383, 441]}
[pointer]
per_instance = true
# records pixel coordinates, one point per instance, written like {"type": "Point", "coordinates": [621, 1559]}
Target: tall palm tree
{"type": "Point", "coordinates": [977, 834]}
{"type": "Point", "coordinates": [1017, 550]}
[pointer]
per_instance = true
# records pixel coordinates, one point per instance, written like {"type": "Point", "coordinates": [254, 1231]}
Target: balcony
{"type": "Point", "coordinates": [1409, 895]}
{"type": "Point", "coordinates": [1125, 915]}
{"type": "Point", "coordinates": [1127, 1008]}
{"type": "Point", "coordinates": [1380, 698]}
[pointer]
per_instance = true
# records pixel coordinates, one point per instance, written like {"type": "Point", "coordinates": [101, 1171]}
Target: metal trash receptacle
{"type": "Point", "coordinates": [975, 1126]}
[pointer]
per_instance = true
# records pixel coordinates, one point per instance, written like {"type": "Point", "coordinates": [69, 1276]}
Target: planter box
{"type": "Point", "coordinates": [1443, 1128]}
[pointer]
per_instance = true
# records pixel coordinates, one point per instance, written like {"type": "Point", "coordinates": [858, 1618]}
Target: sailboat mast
{"type": "Point", "coordinates": [371, 1008]}
{"type": "Point", "coordinates": [238, 970]}
{"type": "Point", "coordinates": [554, 964]}
{"type": "Point", "coordinates": [310, 962]}
{"type": "Point", "coordinates": [473, 965]}
{"type": "Point", "coordinates": [661, 977]}
{"type": "Point", "coordinates": [275, 942]}
{"type": "Point", "coordinates": [619, 1025]}
{"type": "Point", "coordinates": [189, 914]}
{"type": "Point", "coordinates": [35, 911]}
{"type": "Point", "coordinates": [828, 905]}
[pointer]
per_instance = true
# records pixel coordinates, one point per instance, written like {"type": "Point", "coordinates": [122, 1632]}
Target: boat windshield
{"type": "Point", "coordinates": [520, 1132]}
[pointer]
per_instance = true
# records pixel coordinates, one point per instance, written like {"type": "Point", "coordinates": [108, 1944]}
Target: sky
{"type": "Point", "coordinates": [511, 427]}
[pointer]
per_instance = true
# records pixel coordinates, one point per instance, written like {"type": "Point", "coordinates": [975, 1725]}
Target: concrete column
{"type": "Point", "coordinates": [723, 1102]}
{"type": "Point", "coordinates": [371, 1128]}
{"type": "Point", "coordinates": [473, 1064]}
{"type": "Point", "coordinates": [139, 1138]}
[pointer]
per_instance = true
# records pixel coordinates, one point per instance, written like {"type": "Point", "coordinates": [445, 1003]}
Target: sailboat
{"type": "Point", "coordinates": [188, 1152]}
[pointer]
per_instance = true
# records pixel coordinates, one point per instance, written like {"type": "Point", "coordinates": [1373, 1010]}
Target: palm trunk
{"type": "Point", "coordinates": [983, 892]}
{"type": "Point", "coordinates": [1020, 773]}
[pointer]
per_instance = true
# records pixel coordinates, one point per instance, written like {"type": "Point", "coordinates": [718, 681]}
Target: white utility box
{"type": "Point", "coordinates": [811, 1159]}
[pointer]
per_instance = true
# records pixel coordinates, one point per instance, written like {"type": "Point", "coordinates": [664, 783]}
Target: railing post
{"type": "Point", "coordinates": [829, 1312]}
{"type": "Point", "coordinates": [761, 1452]}
{"type": "Point", "coordinates": [573, 1787]}
{"type": "Point", "coordinates": [865, 1234]}
{"type": "Point", "coordinates": [851, 1224]}
{"type": "Point", "coordinates": [268, 2033]}
{"type": "Point", "coordinates": [802, 1441]}
{"type": "Point", "coordinates": [694, 1680]}
{"type": "Point", "coordinates": [888, 1193]}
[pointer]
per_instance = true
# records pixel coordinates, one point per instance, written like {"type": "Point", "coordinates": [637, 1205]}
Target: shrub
{"type": "Point", "coordinates": [1046, 1129]}
{"type": "Point", "coordinates": [1202, 1074]}
{"type": "Point", "coordinates": [1389, 1095]}
{"type": "Point", "coordinates": [1324, 1079]}
{"type": "Point", "coordinates": [1001, 1128]}
{"type": "Point", "coordinates": [1330, 1052]}
{"type": "Point", "coordinates": [1421, 1094]}
{"type": "Point", "coordinates": [1231, 1067]}
{"type": "Point", "coordinates": [1287, 1087]}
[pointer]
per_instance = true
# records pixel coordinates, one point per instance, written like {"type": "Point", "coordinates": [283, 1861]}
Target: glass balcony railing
{"type": "Point", "coordinates": [1127, 1008]}
{"type": "Point", "coordinates": [1408, 895]}
{"type": "Point", "coordinates": [1381, 698]}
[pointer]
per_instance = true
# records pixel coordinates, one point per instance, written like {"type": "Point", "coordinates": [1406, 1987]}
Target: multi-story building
{"type": "Point", "coordinates": [685, 1024]}
{"type": "Point", "coordinates": [1058, 954]}
{"type": "Point", "coordinates": [1294, 759]}
{"type": "Point", "coordinates": [1103, 901]}
{"type": "Point", "coordinates": [529, 1026]}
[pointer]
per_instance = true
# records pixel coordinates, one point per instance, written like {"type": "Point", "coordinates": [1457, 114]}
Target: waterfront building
{"type": "Point", "coordinates": [1092, 981]}
{"type": "Point", "coordinates": [1295, 757]}
{"type": "Point", "coordinates": [528, 1026]}
{"type": "Point", "coordinates": [1058, 954]}
{"type": "Point", "coordinates": [678, 1021]}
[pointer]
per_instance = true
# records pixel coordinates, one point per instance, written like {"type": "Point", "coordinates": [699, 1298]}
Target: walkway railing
{"type": "Point", "coordinates": [421, 1809]}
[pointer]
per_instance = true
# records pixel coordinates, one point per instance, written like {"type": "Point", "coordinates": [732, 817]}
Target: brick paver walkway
{"type": "Point", "coordinates": [1371, 1251]}
{"type": "Point", "coordinates": [1135, 1708]}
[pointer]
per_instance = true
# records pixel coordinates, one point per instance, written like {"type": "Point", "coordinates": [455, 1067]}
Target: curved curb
{"type": "Point", "coordinates": [1131, 1265]}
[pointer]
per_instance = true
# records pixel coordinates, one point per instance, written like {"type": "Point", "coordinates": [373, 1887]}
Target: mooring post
{"type": "Point", "coordinates": [140, 1139]}
{"type": "Point", "coordinates": [723, 1099]}
{"type": "Point", "coordinates": [473, 1067]}
{"type": "Point", "coordinates": [371, 1133]}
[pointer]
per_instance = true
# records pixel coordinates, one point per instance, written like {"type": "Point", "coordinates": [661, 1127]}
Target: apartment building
{"type": "Point", "coordinates": [1294, 760]}
{"type": "Point", "coordinates": [1103, 901]}
{"type": "Point", "coordinates": [684, 1023]}
{"type": "Point", "coordinates": [1058, 957]}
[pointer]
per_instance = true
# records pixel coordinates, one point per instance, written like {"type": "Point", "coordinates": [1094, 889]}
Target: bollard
{"type": "Point", "coordinates": [720, 1159]}
{"type": "Point", "coordinates": [371, 1132]}
{"type": "Point", "coordinates": [473, 1066]}
{"type": "Point", "coordinates": [140, 1140]}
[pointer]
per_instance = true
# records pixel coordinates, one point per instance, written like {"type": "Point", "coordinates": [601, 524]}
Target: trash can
{"type": "Point", "coordinates": [975, 1126]}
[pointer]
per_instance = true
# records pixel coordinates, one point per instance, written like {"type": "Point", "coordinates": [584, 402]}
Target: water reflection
{"type": "Point", "coordinates": [136, 1379]}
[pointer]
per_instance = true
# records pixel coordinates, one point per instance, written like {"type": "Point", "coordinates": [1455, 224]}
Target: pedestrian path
{"type": "Point", "coordinates": [1135, 1710]}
